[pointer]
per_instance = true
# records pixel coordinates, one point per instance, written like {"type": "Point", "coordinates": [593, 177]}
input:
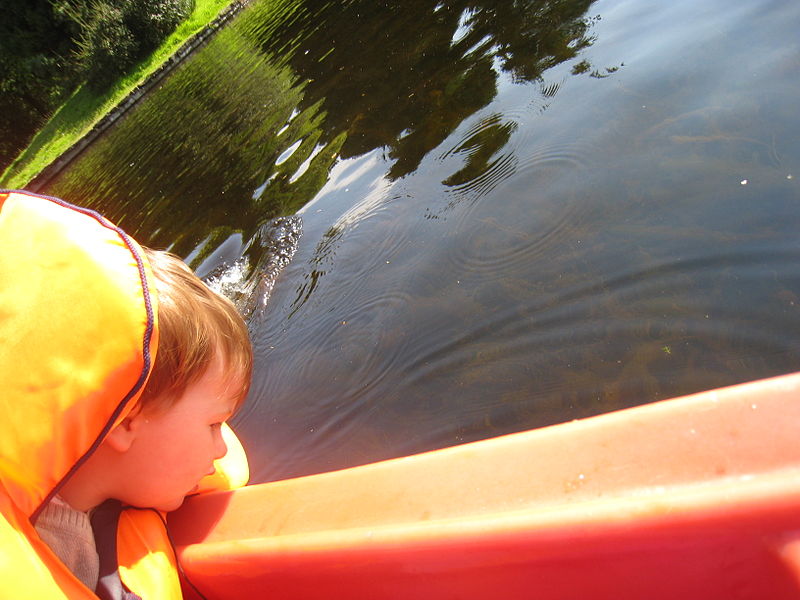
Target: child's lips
{"type": "Point", "coordinates": [197, 486]}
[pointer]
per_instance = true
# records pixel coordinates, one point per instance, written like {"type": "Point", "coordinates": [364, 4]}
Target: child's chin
{"type": "Point", "coordinates": [171, 505]}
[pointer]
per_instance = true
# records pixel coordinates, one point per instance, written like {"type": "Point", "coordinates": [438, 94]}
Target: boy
{"type": "Point", "coordinates": [118, 369]}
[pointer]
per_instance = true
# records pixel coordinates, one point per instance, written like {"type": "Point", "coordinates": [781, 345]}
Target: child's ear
{"type": "Point", "coordinates": [121, 437]}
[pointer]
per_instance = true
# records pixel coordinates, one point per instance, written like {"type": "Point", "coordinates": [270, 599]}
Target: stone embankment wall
{"type": "Point", "coordinates": [192, 44]}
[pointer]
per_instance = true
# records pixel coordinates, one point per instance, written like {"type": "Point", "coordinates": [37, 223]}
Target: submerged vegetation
{"type": "Point", "coordinates": [66, 64]}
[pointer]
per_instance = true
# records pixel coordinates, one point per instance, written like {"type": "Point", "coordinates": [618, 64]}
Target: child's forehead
{"type": "Point", "coordinates": [236, 375]}
{"type": "Point", "coordinates": [233, 385]}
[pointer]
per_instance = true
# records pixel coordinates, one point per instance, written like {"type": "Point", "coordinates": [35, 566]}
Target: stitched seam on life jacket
{"type": "Point", "coordinates": [148, 334]}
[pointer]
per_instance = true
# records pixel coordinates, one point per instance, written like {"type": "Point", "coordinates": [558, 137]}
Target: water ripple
{"type": "Point", "coordinates": [332, 375]}
{"type": "Point", "coordinates": [504, 147]}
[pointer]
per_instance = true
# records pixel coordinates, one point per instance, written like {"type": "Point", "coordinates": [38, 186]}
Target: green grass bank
{"type": "Point", "coordinates": [85, 108]}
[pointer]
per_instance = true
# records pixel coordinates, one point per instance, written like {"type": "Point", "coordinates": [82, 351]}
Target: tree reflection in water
{"type": "Point", "coordinates": [198, 160]}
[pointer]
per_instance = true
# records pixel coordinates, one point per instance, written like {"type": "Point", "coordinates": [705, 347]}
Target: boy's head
{"type": "Point", "coordinates": [195, 324]}
{"type": "Point", "coordinates": [201, 374]}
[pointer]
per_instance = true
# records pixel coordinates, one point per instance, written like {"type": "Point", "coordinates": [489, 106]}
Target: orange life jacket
{"type": "Point", "coordinates": [78, 337]}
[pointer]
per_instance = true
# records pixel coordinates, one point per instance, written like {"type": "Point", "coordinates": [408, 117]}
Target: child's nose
{"type": "Point", "coordinates": [220, 447]}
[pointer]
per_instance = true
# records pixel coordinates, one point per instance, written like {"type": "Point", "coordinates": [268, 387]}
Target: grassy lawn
{"type": "Point", "coordinates": [84, 108]}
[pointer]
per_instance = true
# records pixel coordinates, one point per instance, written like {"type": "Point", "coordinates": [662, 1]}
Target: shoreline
{"type": "Point", "coordinates": [121, 108]}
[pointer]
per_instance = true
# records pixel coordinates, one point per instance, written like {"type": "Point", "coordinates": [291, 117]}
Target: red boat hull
{"type": "Point", "coordinates": [691, 498]}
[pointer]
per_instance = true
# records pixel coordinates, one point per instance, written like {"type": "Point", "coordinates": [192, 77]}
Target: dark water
{"type": "Point", "coordinates": [452, 220]}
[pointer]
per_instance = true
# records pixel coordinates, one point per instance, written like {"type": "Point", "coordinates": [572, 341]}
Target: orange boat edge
{"type": "Point", "coordinates": [693, 498]}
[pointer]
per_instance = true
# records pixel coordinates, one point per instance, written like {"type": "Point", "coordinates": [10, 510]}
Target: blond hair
{"type": "Point", "coordinates": [195, 324]}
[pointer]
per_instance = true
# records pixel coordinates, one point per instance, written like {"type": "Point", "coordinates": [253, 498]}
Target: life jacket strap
{"type": "Point", "coordinates": [105, 520]}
